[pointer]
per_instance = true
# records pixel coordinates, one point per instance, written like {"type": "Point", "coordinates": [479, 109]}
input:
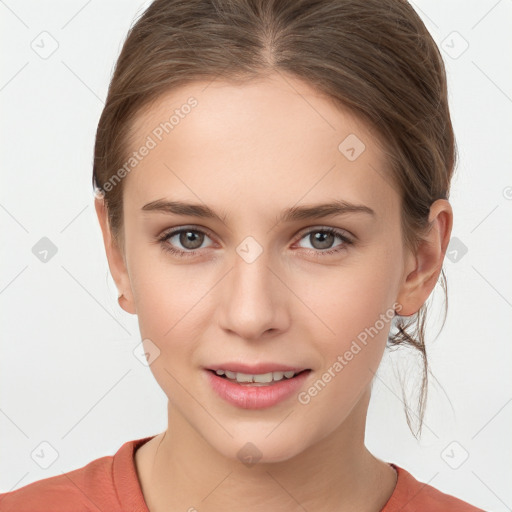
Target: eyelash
{"type": "Point", "coordinates": [319, 253]}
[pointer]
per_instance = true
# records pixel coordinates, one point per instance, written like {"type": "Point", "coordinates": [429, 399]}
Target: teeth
{"type": "Point", "coordinates": [244, 377]}
{"type": "Point", "coordinates": [266, 377]}
{"type": "Point", "coordinates": [259, 378]}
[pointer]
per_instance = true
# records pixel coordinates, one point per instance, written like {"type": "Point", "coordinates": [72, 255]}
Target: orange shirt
{"type": "Point", "coordinates": [110, 484]}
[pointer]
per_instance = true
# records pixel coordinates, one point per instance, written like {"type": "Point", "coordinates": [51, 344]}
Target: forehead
{"type": "Point", "coordinates": [273, 138]}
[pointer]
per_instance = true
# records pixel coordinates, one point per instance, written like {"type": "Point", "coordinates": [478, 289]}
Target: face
{"type": "Point", "coordinates": [249, 286]}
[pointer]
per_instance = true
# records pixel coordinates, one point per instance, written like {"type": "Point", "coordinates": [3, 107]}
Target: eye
{"type": "Point", "coordinates": [322, 239]}
{"type": "Point", "coordinates": [190, 239]}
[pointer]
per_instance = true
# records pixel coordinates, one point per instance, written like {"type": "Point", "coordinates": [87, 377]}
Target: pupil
{"type": "Point", "coordinates": [323, 235]}
{"type": "Point", "coordinates": [187, 237]}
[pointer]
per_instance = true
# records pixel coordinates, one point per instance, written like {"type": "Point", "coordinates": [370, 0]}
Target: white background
{"type": "Point", "coordinates": [68, 375]}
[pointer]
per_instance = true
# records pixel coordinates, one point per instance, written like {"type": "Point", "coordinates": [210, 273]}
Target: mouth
{"type": "Point", "coordinates": [258, 379]}
{"type": "Point", "coordinates": [256, 390]}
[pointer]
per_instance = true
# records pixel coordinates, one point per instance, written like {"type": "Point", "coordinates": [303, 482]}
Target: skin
{"type": "Point", "coordinates": [250, 151]}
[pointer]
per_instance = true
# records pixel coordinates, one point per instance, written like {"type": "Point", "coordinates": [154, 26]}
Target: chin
{"type": "Point", "coordinates": [257, 447]}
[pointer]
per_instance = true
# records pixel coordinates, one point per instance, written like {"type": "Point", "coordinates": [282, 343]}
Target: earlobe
{"type": "Point", "coordinates": [422, 269]}
{"type": "Point", "coordinates": [115, 258]}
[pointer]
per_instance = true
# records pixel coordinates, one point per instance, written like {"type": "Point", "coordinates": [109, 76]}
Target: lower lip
{"type": "Point", "coordinates": [256, 397]}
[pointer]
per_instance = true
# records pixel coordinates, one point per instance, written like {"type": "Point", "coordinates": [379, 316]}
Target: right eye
{"type": "Point", "coordinates": [190, 239]}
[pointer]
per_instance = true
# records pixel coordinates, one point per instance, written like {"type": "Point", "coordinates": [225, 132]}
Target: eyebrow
{"type": "Point", "coordinates": [295, 213]}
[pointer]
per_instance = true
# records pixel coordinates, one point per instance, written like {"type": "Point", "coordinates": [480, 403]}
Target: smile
{"type": "Point", "coordinates": [262, 378]}
{"type": "Point", "coordinates": [256, 391]}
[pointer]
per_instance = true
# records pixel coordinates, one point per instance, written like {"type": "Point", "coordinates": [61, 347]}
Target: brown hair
{"type": "Point", "coordinates": [374, 57]}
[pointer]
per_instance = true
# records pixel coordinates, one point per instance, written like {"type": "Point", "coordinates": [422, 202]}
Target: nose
{"type": "Point", "coordinates": [253, 303]}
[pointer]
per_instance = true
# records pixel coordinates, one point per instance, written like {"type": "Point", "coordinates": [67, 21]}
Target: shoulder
{"type": "Point", "coordinates": [76, 490]}
{"type": "Point", "coordinates": [411, 495]}
{"type": "Point", "coordinates": [95, 486]}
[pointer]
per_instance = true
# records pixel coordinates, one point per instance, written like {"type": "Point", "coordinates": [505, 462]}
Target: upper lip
{"type": "Point", "coordinates": [255, 369]}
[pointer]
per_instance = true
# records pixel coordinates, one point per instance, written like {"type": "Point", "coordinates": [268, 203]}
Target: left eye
{"type": "Point", "coordinates": [322, 239]}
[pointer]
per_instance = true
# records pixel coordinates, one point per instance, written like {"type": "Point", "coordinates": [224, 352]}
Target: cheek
{"type": "Point", "coordinates": [174, 310]}
{"type": "Point", "coordinates": [167, 295]}
{"type": "Point", "coordinates": [347, 299]}
{"type": "Point", "coordinates": [350, 357]}
{"type": "Point", "coordinates": [171, 318]}
{"type": "Point", "coordinates": [355, 309]}
{"type": "Point", "coordinates": [170, 314]}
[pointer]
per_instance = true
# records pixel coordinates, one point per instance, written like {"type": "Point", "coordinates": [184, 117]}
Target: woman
{"type": "Point", "coordinates": [272, 187]}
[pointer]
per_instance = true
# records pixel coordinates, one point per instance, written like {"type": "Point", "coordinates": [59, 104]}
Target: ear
{"type": "Point", "coordinates": [423, 268]}
{"type": "Point", "coordinates": [116, 259]}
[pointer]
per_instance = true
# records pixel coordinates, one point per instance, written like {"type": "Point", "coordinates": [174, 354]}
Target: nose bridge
{"type": "Point", "coordinates": [251, 297]}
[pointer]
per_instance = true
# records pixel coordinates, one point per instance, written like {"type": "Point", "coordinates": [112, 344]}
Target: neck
{"type": "Point", "coordinates": [179, 470]}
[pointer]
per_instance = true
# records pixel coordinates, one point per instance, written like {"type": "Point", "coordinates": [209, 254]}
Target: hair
{"type": "Point", "coordinates": [373, 57]}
